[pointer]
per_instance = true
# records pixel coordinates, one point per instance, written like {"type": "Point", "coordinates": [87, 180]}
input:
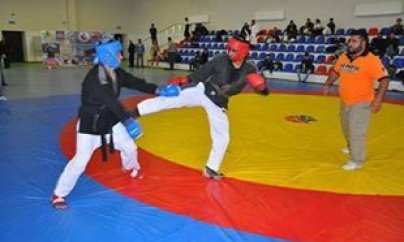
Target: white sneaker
{"type": "Point", "coordinates": [3, 98]}
{"type": "Point", "coordinates": [352, 165]}
{"type": "Point", "coordinates": [135, 173]}
{"type": "Point", "coordinates": [345, 150]}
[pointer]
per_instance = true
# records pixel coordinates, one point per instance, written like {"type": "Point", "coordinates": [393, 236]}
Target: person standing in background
{"type": "Point", "coordinates": [331, 25]}
{"type": "Point", "coordinates": [154, 53]}
{"type": "Point", "coordinates": [172, 52]}
{"type": "Point", "coordinates": [357, 71]}
{"type": "Point", "coordinates": [139, 53]}
{"type": "Point", "coordinates": [254, 32]}
{"type": "Point", "coordinates": [153, 33]}
{"type": "Point", "coordinates": [131, 51]}
{"type": "Point", "coordinates": [187, 33]}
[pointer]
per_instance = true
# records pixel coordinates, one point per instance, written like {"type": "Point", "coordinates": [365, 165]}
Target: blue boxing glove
{"type": "Point", "coordinates": [133, 127]}
{"type": "Point", "coordinates": [171, 90]}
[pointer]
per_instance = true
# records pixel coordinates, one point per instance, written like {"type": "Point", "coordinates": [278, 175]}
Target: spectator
{"type": "Point", "coordinates": [245, 31]}
{"type": "Point", "coordinates": [378, 45]}
{"type": "Point", "coordinates": [139, 53]}
{"type": "Point", "coordinates": [307, 29]}
{"type": "Point", "coordinates": [253, 32]}
{"type": "Point", "coordinates": [392, 46]}
{"type": "Point", "coordinates": [204, 56]}
{"type": "Point", "coordinates": [172, 51]}
{"type": "Point", "coordinates": [187, 33]}
{"type": "Point", "coordinates": [154, 51]}
{"type": "Point", "coordinates": [266, 65]}
{"type": "Point", "coordinates": [200, 30]}
{"type": "Point", "coordinates": [273, 36]}
{"type": "Point", "coordinates": [397, 29]}
{"type": "Point", "coordinates": [307, 67]}
{"type": "Point", "coordinates": [220, 34]}
{"type": "Point", "coordinates": [131, 51]}
{"type": "Point", "coordinates": [51, 61]}
{"type": "Point", "coordinates": [291, 31]}
{"type": "Point", "coordinates": [153, 33]}
{"type": "Point", "coordinates": [5, 52]}
{"type": "Point", "coordinates": [3, 80]}
{"type": "Point", "coordinates": [318, 28]}
{"type": "Point", "coordinates": [331, 26]}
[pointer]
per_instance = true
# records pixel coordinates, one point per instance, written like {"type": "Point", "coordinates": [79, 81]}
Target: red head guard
{"type": "Point", "coordinates": [241, 49]}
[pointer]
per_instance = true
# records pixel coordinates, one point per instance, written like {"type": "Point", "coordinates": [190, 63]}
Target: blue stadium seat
{"type": "Point", "coordinates": [282, 48]}
{"type": "Point", "coordinates": [398, 62]}
{"type": "Point", "coordinates": [340, 32]}
{"type": "Point", "coordinates": [311, 40]}
{"type": "Point", "coordinates": [265, 47]}
{"type": "Point", "coordinates": [349, 31]}
{"type": "Point", "coordinates": [301, 40]}
{"type": "Point", "coordinates": [310, 49]}
{"type": "Point", "coordinates": [300, 48]}
{"type": "Point", "coordinates": [254, 55]}
{"type": "Point", "coordinates": [385, 60]}
{"type": "Point", "coordinates": [385, 31]}
{"type": "Point", "coordinates": [272, 56]}
{"type": "Point", "coordinates": [320, 49]}
{"type": "Point", "coordinates": [280, 57]}
{"type": "Point", "coordinates": [291, 48]}
{"type": "Point", "coordinates": [288, 68]}
{"type": "Point", "coordinates": [262, 55]}
{"type": "Point", "coordinates": [320, 59]}
{"type": "Point", "coordinates": [273, 48]}
{"type": "Point", "coordinates": [289, 58]}
{"type": "Point", "coordinates": [299, 58]}
{"type": "Point", "coordinates": [320, 39]}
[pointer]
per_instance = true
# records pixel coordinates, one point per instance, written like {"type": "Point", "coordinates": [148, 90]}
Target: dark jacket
{"type": "Point", "coordinates": [100, 108]}
{"type": "Point", "coordinates": [218, 73]}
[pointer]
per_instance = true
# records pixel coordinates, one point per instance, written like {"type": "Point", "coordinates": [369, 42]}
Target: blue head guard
{"type": "Point", "coordinates": [107, 54]}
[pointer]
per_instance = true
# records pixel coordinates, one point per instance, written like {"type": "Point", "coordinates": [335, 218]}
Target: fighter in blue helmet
{"type": "Point", "coordinates": [103, 120]}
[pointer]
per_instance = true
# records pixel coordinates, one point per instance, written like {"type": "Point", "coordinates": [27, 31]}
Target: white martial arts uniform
{"type": "Point", "coordinates": [195, 97]}
{"type": "Point", "coordinates": [85, 146]}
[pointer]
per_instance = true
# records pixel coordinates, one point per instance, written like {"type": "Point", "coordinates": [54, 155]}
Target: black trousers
{"type": "Point", "coordinates": [131, 60]}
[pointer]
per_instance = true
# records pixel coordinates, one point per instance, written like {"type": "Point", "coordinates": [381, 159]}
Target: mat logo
{"type": "Point", "coordinates": [301, 118]}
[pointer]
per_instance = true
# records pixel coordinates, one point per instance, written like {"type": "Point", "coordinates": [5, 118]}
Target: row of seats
{"type": "Point", "coordinates": [270, 47]}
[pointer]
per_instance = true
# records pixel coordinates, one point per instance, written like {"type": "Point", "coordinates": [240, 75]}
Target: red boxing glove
{"type": "Point", "coordinates": [256, 81]}
{"type": "Point", "coordinates": [179, 80]}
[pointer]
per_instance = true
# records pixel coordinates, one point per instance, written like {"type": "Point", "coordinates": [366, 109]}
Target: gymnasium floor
{"type": "Point", "coordinates": [284, 181]}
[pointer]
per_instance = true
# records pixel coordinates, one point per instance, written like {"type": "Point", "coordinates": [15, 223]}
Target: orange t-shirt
{"type": "Point", "coordinates": [356, 77]}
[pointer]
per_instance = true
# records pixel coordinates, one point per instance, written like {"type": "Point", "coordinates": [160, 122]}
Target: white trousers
{"type": "Point", "coordinates": [85, 146]}
{"type": "Point", "coordinates": [195, 97]}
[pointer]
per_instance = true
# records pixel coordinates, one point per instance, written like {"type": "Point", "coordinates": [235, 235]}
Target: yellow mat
{"type": "Point", "coordinates": [266, 148]}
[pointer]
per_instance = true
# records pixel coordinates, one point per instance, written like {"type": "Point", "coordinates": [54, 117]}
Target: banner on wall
{"type": "Point", "coordinates": [71, 48]}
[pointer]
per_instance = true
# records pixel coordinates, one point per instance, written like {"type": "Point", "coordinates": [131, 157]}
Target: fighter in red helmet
{"type": "Point", "coordinates": [210, 88]}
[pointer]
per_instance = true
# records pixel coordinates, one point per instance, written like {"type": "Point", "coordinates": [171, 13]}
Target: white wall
{"type": "Point", "coordinates": [135, 16]}
{"type": "Point", "coordinates": [230, 14]}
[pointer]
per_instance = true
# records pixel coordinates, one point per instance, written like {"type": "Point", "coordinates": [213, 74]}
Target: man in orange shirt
{"type": "Point", "coordinates": [357, 71]}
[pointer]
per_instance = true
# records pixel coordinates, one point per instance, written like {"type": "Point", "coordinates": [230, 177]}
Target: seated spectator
{"type": "Point", "coordinates": [307, 67]}
{"type": "Point", "coordinates": [397, 29]}
{"type": "Point", "coordinates": [318, 28]}
{"type": "Point", "coordinates": [273, 36]}
{"type": "Point", "coordinates": [378, 45]}
{"type": "Point", "coordinates": [307, 29]}
{"type": "Point", "coordinates": [200, 30]}
{"type": "Point", "coordinates": [392, 46]}
{"type": "Point", "coordinates": [291, 31]}
{"type": "Point", "coordinates": [331, 26]}
{"type": "Point", "coordinates": [269, 65]}
{"type": "Point", "coordinates": [220, 34]}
